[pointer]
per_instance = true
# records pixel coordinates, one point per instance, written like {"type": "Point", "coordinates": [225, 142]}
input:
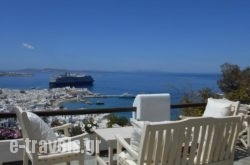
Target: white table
{"type": "Point", "coordinates": [108, 135]}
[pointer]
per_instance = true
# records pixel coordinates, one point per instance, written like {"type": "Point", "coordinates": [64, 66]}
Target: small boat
{"type": "Point", "coordinates": [99, 103]}
{"type": "Point", "coordinates": [127, 95]}
{"type": "Point", "coordinates": [88, 102]}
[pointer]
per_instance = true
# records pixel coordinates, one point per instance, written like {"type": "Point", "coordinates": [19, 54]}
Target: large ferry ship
{"type": "Point", "coordinates": [72, 80]}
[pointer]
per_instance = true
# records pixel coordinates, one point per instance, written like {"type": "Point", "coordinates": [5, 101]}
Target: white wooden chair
{"type": "Point", "coordinates": [54, 150]}
{"type": "Point", "coordinates": [194, 141]}
{"type": "Point", "coordinates": [247, 138]}
{"type": "Point", "coordinates": [244, 135]}
{"type": "Point", "coordinates": [224, 107]}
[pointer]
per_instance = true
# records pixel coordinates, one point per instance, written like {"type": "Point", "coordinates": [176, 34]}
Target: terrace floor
{"type": "Point", "coordinates": [241, 158]}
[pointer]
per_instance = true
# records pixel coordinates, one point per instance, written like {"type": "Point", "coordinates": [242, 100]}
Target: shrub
{"type": "Point", "coordinates": [234, 82]}
{"type": "Point", "coordinates": [75, 130]}
{"type": "Point", "coordinates": [114, 119]}
{"type": "Point", "coordinates": [9, 133]}
{"type": "Point", "coordinates": [89, 125]}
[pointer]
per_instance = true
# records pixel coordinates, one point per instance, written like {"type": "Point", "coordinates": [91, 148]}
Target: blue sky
{"type": "Point", "coordinates": [115, 35]}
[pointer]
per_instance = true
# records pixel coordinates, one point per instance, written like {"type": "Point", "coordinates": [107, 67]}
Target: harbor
{"type": "Point", "coordinates": [48, 99]}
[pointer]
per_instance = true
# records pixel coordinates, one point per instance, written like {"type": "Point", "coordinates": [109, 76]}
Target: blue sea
{"type": "Point", "coordinates": [117, 83]}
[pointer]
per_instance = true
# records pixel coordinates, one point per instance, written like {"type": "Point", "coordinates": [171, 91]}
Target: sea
{"type": "Point", "coordinates": [118, 83]}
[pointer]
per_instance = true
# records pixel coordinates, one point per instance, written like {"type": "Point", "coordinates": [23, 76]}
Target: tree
{"type": "Point", "coordinates": [230, 78]}
{"type": "Point", "coordinates": [234, 82]}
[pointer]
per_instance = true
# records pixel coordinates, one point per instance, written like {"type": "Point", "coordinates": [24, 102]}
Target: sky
{"type": "Point", "coordinates": [125, 35]}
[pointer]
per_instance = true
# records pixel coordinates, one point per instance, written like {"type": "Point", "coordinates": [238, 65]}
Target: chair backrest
{"type": "Point", "coordinates": [18, 110]}
{"type": "Point", "coordinates": [190, 141]}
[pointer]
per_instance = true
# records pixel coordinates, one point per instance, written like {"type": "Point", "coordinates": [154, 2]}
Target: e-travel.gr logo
{"type": "Point", "coordinates": [57, 146]}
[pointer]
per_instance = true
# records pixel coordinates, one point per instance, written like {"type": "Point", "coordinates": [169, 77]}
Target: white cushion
{"type": "Point", "coordinates": [39, 129]}
{"type": "Point", "coordinates": [234, 105]}
{"type": "Point", "coordinates": [126, 158]}
{"type": "Point", "coordinates": [218, 108]}
{"type": "Point", "coordinates": [136, 134]}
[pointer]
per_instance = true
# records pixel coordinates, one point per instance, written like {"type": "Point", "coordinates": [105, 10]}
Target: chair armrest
{"type": "Point", "coordinates": [73, 138]}
{"type": "Point", "coordinates": [78, 137]}
{"type": "Point", "coordinates": [121, 141]}
{"type": "Point", "coordinates": [100, 160]}
{"type": "Point", "coordinates": [248, 132]}
{"type": "Point", "coordinates": [68, 139]}
{"type": "Point", "coordinates": [63, 127]}
{"type": "Point", "coordinates": [181, 117]}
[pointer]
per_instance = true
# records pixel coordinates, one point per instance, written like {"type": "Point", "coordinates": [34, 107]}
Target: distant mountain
{"type": "Point", "coordinates": [54, 70]}
{"type": "Point", "coordinates": [14, 74]}
{"type": "Point", "coordinates": [32, 70]}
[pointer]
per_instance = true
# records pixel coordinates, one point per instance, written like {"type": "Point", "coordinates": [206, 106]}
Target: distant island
{"type": "Point", "coordinates": [14, 74]}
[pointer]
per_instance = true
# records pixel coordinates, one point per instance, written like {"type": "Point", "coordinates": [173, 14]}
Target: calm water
{"type": "Point", "coordinates": [123, 82]}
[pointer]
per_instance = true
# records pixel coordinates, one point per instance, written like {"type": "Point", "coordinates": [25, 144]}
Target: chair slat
{"type": "Point", "coordinates": [151, 148]}
{"type": "Point", "coordinates": [158, 149]}
{"type": "Point", "coordinates": [194, 144]}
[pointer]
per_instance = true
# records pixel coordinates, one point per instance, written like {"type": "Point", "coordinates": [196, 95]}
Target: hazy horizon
{"type": "Point", "coordinates": [118, 71]}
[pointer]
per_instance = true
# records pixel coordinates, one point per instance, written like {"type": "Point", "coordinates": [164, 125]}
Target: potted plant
{"type": "Point", "coordinates": [7, 135]}
{"type": "Point", "coordinates": [89, 125]}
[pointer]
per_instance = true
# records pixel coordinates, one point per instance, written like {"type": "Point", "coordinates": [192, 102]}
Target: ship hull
{"type": "Point", "coordinates": [70, 84]}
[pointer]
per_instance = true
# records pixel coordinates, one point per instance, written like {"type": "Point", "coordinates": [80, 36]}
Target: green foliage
{"type": "Point", "coordinates": [55, 122]}
{"type": "Point", "coordinates": [230, 77]}
{"type": "Point", "coordinates": [75, 130]}
{"type": "Point", "coordinates": [114, 119]}
{"type": "Point", "coordinates": [234, 82]}
{"type": "Point", "coordinates": [122, 121]}
{"type": "Point", "coordinates": [90, 125]}
{"type": "Point", "coordinates": [196, 97]}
